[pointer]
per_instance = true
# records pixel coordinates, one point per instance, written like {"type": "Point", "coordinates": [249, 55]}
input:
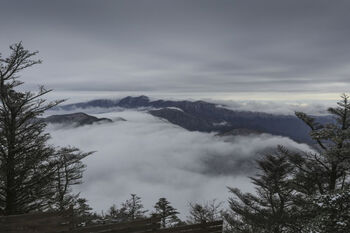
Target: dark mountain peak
{"type": "Point", "coordinates": [75, 115]}
{"type": "Point", "coordinates": [183, 119]}
{"type": "Point", "coordinates": [143, 101]}
{"type": "Point", "coordinates": [99, 103]}
{"type": "Point", "coordinates": [78, 119]}
{"type": "Point", "coordinates": [134, 102]}
{"type": "Point", "coordinates": [209, 117]}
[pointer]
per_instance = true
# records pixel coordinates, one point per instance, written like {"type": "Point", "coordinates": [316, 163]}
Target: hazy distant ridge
{"type": "Point", "coordinates": [208, 117]}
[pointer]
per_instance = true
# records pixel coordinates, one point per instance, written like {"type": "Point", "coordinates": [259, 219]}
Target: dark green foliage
{"type": "Point", "coordinates": [301, 191]}
{"type": "Point", "coordinates": [69, 172]}
{"type": "Point", "coordinates": [82, 208]}
{"type": "Point", "coordinates": [329, 167]}
{"type": "Point", "coordinates": [116, 214]}
{"type": "Point", "coordinates": [207, 212]}
{"type": "Point", "coordinates": [334, 212]}
{"type": "Point", "coordinates": [270, 210]}
{"type": "Point", "coordinates": [133, 208]}
{"type": "Point", "coordinates": [130, 210]}
{"type": "Point", "coordinates": [82, 212]}
{"type": "Point", "coordinates": [166, 212]}
{"type": "Point", "coordinates": [324, 175]}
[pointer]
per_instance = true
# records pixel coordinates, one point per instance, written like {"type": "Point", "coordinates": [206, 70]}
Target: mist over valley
{"type": "Point", "coordinates": [149, 155]}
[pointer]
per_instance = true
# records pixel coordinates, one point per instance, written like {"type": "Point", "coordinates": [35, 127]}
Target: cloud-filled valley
{"type": "Point", "coordinates": [153, 158]}
{"type": "Point", "coordinates": [175, 116]}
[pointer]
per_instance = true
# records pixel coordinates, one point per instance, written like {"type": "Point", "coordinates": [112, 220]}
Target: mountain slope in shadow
{"type": "Point", "coordinates": [208, 117]}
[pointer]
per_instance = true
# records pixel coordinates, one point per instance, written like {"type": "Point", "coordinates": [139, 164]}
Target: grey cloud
{"type": "Point", "coordinates": [185, 45]}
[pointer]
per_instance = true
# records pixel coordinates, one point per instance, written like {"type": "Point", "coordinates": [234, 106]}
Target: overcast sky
{"type": "Point", "coordinates": [218, 47]}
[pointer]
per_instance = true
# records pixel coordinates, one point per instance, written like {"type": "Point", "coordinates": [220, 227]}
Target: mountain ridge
{"type": "Point", "coordinates": [209, 117]}
{"type": "Point", "coordinates": [78, 119]}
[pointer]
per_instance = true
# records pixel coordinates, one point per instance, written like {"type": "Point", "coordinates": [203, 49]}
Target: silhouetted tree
{"type": "Point", "coordinates": [271, 210]}
{"type": "Point", "coordinates": [69, 172]}
{"type": "Point", "coordinates": [117, 215]}
{"type": "Point", "coordinates": [167, 213]}
{"type": "Point", "coordinates": [82, 212]}
{"type": "Point", "coordinates": [82, 208]}
{"type": "Point", "coordinates": [28, 165]}
{"type": "Point", "coordinates": [132, 208]}
{"type": "Point", "coordinates": [302, 191]}
{"type": "Point", "coordinates": [329, 167]}
{"type": "Point", "coordinates": [324, 175]}
{"type": "Point", "coordinates": [207, 212]}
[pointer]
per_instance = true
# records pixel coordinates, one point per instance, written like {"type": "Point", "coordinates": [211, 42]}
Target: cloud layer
{"type": "Point", "coordinates": [185, 45]}
{"type": "Point", "coordinates": [154, 159]}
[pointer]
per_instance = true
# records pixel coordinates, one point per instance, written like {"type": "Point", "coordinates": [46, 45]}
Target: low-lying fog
{"type": "Point", "coordinates": [153, 158]}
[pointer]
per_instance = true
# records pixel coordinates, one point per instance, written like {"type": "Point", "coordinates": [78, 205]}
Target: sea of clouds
{"type": "Point", "coordinates": [152, 158]}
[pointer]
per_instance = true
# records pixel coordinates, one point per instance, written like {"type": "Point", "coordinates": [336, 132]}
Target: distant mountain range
{"type": "Point", "coordinates": [208, 117]}
{"type": "Point", "coordinates": [76, 119]}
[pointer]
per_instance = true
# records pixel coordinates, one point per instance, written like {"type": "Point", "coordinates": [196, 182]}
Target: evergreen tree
{"type": "Point", "coordinates": [324, 175]}
{"type": "Point", "coordinates": [166, 212]}
{"type": "Point", "coordinates": [133, 208]}
{"type": "Point", "coordinates": [117, 215]}
{"type": "Point", "coordinates": [329, 167]}
{"type": "Point", "coordinates": [28, 164]}
{"type": "Point", "coordinates": [82, 208]}
{"type": "Point", "coordinates": [82, 212]}
{"type": "Point", "coordinates": [302, 191]}
{"type": "Point", "coordinates": [113, 211]}
{"type": "Point", "coordinates": [333, 213]}
{"type": "Point", "coordinates": [69, 172]}
{"type": "Point", "coordinates": [208, 212]}
{"type": "Point", "coordinates": [271, 209]}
